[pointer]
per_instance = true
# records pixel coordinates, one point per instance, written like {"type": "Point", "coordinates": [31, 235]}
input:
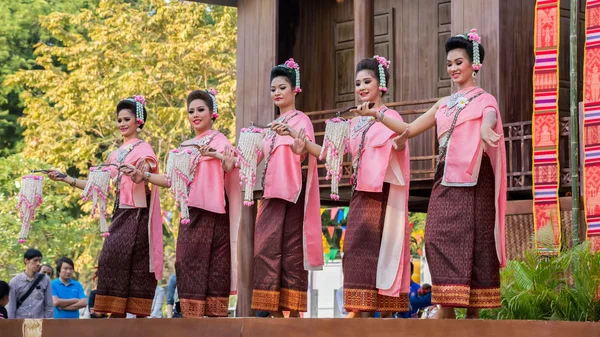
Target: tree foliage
{"type": "Point", "coordinates": [19, 33]}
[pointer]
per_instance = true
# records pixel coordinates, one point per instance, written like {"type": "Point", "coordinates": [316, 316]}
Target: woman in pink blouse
{"type": "Point", "coordinates": [206, 256]}
{"type": "Point", "coordinates": [376, 262]}
{"type": "Point", "coordinates": [132, 255]}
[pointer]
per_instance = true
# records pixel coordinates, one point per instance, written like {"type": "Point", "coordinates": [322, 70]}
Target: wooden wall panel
{"type": "Point", "coordinates": [344, 55]}
{"type": "Point", "coordinates": [314, 53]}
{"type": "Point", "coordinates": [483, 15]}
{"type": "Point", "coordinates": [517, 60]}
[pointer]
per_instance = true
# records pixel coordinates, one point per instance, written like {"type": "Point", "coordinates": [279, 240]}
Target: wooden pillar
{"type": "Point", "coordinates": [364, 31]}
{"type": "Point", "coordinates": [256, 55]}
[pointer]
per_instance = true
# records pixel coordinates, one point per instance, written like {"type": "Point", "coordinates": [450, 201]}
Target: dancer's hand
{"type": "Point", "coordinates": [489, 136]}
{"type": "Point", "coordinates": [133, 172]}
{"type": "Point", "coordinates": [299, 142]}
{"type": "Point", "coordinates": [228, 160]}
{"type": "Point", "coordinates": [128, 170]}
{"type": "Point", "coordinates": [56, 175]}
{"type": "Point", "coordinates": [205, 151]}
{"type": "Point", "coordinates": [282, 129]}
{"type": "Point", "coordinates": [364, 110]}
{"type": "Point", "coordinates": [399, 143]}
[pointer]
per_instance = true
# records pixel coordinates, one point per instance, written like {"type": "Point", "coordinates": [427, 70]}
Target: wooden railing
{"type": "Point", "coordinates": [518, 140]}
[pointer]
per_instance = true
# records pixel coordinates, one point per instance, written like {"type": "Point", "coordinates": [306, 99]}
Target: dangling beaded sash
{"type": "Point", "coordinates": [335, 145]}
{"type": "Point", "coordinates": [271, 135]}
{"type": "Point", "coordinates": [30, 198]}
{"type": "Point", "coordinates": [248, 150]}
{"type": "Point", "coordinates": [181, 168]}
{"type": "Point", "coordinates": [446, 138]}
{"type": "Point", "coordinates": [120, 159]}
{"type": "Point", "coordinates": [96, 189]}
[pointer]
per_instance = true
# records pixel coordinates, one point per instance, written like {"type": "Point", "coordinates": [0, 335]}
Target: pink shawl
{"type": "Point", "coordinates": [134, 195]}
{"type": "Point", "coordinates": [465, 151]}
{"type": "Point", "coordinates": [381, 163]}
{"type": "Point", "coordinates": [284, 179]}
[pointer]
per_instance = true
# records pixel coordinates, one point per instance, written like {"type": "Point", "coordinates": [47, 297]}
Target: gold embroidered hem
{"type": "Point", "coordinates": [485, 298]}
{"type": "Point", "coordinates": [139, 306]}
{"type": "Point", "coordinates": [110, 304]}
{"type": "Point", "coordinates": [465, 297]}
{"type": "Point", "coordinates": [192, 308]}
{"type": "Point", "coordinates": [293, 300]}
{"type": "Point", "coordinates": [394, 304]}
{"type": "Point", "coordinates": [266, 300]}
{"type": "Point", "coordinates": [217, 306]}
{"type": "Point", "coordinates": [450, 295]}
{"type": "Point", "coordinates": [361, 300]}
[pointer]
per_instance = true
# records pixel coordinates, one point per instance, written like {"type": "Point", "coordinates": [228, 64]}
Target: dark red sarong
{"type": "Point", "coordinates": [361, 254]}
{"type": "Point", "coordinates": [125, 284]}
{"type": "Point", "coordinates": [280, 280]}
{"type": "Point", "coordinates": [203, 264]}
{"type": "Point", "coordinates": [460, 243]}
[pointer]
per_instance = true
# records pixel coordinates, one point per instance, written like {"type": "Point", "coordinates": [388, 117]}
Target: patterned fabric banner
{"type": "Point", "coordinates": [591, 123]}
{"type": "Point", "coordinates": [545, 119]}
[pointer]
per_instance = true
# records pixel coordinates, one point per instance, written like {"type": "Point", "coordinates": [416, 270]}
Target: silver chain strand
{"type": "Point", "coordinates": [120, 158]}
{"type": "Point", "coordinates": [356, 164]}
{"type": "Point", "coordinates": [271, 134]}
{"type": "Point", "coordinates": [196, 155]}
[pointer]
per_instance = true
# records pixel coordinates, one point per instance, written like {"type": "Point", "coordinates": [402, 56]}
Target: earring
{"type": "Point", "coordinates": [139, 130]}
{"type": "Point", "coordinates": [474, 74]}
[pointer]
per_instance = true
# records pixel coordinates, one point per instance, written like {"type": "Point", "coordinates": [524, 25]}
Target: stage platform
{"type": "Point", "coordinates": [271, 327]}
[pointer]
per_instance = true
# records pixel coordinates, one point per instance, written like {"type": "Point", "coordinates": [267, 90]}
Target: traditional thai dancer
{"type": "Point", "coordinates": [208, 191]}
{"type": "Point", "coordinates": [131, 260]}
{"type": "Point", "coordinates": [464, 232]}
{"type": "Point", "coordinates": [376, 261]}
{"type": "Point", "coordinates": [287, 239]}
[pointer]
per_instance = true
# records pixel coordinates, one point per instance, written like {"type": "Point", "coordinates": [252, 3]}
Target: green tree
{"type": "Point", "coordinates": [20, 31]}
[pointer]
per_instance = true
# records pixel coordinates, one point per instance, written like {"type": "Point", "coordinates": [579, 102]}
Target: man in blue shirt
{"type": "Point", "coordinates": [67, 294]}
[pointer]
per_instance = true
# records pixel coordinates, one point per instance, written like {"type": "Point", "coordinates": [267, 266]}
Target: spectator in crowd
{"type": "Point", "coordinates": [67, 294]}
{"type": "Point", "coordinates": [173, 308]}
{"type": "Point", "coordinates": [419, 297]}
{"type": "Point", "coordinates": [4, 290]}
{"type": "Point", "coordinates": [48, 270]}
{"type": "Point", "coordinates": [157, 303]}
{"type": "Point", "coordinates": [30, 293]}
